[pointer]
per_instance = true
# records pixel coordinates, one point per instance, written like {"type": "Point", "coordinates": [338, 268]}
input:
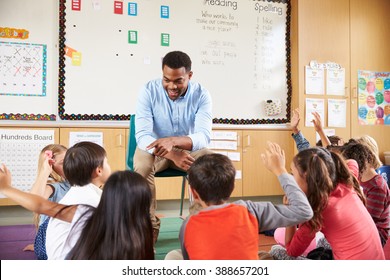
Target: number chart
{"type": "Point", "coordinates": [19, 151]}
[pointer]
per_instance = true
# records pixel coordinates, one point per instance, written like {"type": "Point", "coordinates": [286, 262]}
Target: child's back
{"type": "Point", "coordinates": [221, 232]}
{"type": "Point", "coordinates": [230, 230]}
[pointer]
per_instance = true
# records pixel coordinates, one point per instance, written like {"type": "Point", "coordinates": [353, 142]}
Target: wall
{"type": "Point", "coordinates": [348, 32]}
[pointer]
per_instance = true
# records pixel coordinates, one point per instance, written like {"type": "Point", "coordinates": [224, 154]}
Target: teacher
{"type": "Point", "coordinates": [172, 124]}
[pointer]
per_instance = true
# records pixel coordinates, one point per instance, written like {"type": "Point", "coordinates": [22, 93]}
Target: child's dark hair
{"type": "Point", "coordinates": [320, 253]}
{"type": "Point", "coordinates": [212, 177]}
{"type": "Point", "coordinates": [359, 152]}
{"type": "Point", "coordinates": [81, 161]}
{"type": "Point", "coordinates": [120, 227]}
{"type": "Point", "coordinates": [323, 170]}
{"type": "Point", "coordinates": [176, 60]}
{"type": "Point", "coordinates": [333, 139]}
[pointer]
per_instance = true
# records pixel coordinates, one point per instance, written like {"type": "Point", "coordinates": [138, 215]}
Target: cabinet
{"type": "Point", "coordinates": [170, 188]}
{"type": "Point", "coordinates": [370, 30]}
{"type": "Point", "coordinates": [257, 180]}
{"type": "Point", "coordinates": [114, 142]}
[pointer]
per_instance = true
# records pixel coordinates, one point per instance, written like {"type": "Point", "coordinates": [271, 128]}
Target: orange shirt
{"type": "Point", "coordinates": [223, 233]}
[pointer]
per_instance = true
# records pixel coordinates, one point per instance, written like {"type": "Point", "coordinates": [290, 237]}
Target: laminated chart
{"type": "Point", "coordinates": [22, 69]}
{"type": "Point", "coordinates": [19, 151]}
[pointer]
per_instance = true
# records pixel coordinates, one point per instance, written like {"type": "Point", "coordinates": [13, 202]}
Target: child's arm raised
{"type": "Point", "coordinates": [298, 210]}
{"type": "Point", "coordinates": [318, 127]}
{"type": "Point", "coordinates": [33, 202]}
{"type": "Point", "coordinates": [300, 141]}
{"type": "Point", "coordinates": [40, 186]}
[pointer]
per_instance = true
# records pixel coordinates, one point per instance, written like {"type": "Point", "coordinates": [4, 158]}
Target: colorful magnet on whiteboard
{"type": "Point", "coordinates": [133, 37]}
{"type": "Point", "coordinates": [118, 7]}
{"type": "Point", "coordinates": [69, 51]}
{"type": "Point", "coordinates": [164, 39]}
{"type": "Point", "coordinates": [132, 9]}
{"type": "Point", "coordinates": [76, 5]}
{"type": "Point", "coordinates": [164, 11]}
{"type": "Point", "coordinates": [76, 59]}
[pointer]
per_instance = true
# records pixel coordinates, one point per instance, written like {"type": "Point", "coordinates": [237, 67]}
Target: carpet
{"type": "Point", "coordinates": [12, 241]}
{"type": "Point", "coordinates": [168, 239]}
{"type": "Point", "coordinates": [14, 238]}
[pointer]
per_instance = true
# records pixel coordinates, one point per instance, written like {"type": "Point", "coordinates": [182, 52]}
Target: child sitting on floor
{"type": "Point", "coordinates": [223, 230]}
{"type": "Point", "coordinates": [374, 186]}
{"type": "Point", "coordinates": [339, 209]}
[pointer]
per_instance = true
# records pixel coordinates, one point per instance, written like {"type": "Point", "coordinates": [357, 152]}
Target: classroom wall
{"type": "Point", "coordinates": [349, 32]}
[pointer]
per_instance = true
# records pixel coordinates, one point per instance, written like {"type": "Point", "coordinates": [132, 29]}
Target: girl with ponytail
{"type": "Point", "coordinates": [338, 205]}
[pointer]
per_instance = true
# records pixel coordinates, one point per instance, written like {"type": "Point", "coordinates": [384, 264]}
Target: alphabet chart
{"type": "Point", "coordinates": [19, 151]}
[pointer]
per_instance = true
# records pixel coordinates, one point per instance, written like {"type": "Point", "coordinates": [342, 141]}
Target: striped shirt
{"type": "Point", "coordinates": [378, 204]}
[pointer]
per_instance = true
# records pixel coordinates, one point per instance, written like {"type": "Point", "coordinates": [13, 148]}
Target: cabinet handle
{"type": "Point", "coordinates": [248, 140]}
{"type": "Point", "coordinates": [354, 92]}
{"type": "Point", "coordinates": [119, 140]}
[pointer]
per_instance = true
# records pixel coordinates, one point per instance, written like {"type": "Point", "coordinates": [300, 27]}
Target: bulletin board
{"type": "Point", "coordinates": [240, 52]}
{"type": "Point", "coordinates": [28, 60]}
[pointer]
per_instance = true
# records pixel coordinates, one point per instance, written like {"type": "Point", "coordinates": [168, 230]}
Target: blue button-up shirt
{"type": "Point", "coordinates": [157, 116]}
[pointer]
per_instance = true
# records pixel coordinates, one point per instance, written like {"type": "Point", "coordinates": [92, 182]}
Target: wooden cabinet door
{"type": "Point", "coordinates": [370, 32]}
{"type": "Point", "coordinates": [114, 142]}
{"type": "Point", "coordinates": [257, 180]}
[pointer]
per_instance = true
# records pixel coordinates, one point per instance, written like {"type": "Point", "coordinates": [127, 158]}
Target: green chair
{"type": "Point", "coordinates": [170, 172]}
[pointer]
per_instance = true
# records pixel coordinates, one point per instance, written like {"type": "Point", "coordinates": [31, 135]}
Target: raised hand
{"type": "Point", "coordinates": [317, 121]}
{"type": "Point", "coordinates": [5, 177]}
{"type": "Point", "coordinates": [295, 119]}
{"type": "Point", "coordinates": [274, 159]}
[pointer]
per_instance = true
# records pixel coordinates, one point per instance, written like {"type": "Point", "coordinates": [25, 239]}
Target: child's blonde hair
{"type": "Point", "coordinates": [54, 176]}
{"type": "Point", "coordinates": [55, 149]}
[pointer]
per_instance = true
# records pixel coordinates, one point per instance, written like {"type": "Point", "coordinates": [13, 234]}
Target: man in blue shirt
{"type": "Point", "coordinates": [172, 124]}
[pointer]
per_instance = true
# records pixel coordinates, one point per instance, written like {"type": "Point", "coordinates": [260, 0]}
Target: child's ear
{"type": "Point", "coordinates": [195, 194]}
{"type": "Point", "coordinates": [97, 172]}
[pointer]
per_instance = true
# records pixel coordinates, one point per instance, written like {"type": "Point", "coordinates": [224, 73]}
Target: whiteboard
{"type": "Point", "coordinates": [240, 52]}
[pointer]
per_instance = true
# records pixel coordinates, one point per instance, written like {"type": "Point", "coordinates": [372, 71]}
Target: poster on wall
{"type": "Point", "coordinates": [374, 98]}
{"type": "Point", "coordinates": [19, 151]}
{"type": "Point", "coordinates": [22, 69]}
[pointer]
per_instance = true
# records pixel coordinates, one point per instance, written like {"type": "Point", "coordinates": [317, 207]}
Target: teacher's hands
{"type": "Point", "coordinates": [162, 146]}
